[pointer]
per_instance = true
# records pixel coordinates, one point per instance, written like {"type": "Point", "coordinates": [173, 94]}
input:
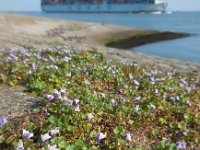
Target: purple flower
{"type": "Point", "coordinates": [87, 82]}
{"type": "Point", "coordinates": [89, 116]}
{"type": "Point", "coordinates": [122, 100]}
{"type": "Point", "coordinates": [100, 137]}
{"type": "Point", "coordinates": [136, 82]}
{"type": "Point", "coordinates": [172, 99]}
{"type": "Point", "coordinates": [57, 95]}
{"type": "Point", "coordinates": [156, 91]}
{"type": "Point", "coordinates": [177, 98]}
{"type": "Point", "coordinates": [127, 137]}
{"type": "Point", "coordinates": [130, 76]}
{"type": "Point", "coordinates": [75, 102]}
{"type": "Point", "coordinates": [181, 145]}
{"type": "Point", "coordinates": [183, 82]}
{"type": "Point", "coordinates": [34, 67]}
{"type": "Point", "coordinates": [20, 146]}
{"type": "Point", "coordinates": [188, 102]}
{"type": "Point", "coordinates": [77, 108]}
{"type": "Point", "coordinates": [153, 107]}
{"type": "Point", "coordinates": [46, 113]}
{"type": "Point", "coordinates": [68, 74]}
{"type": "Point", "coordinates": [66, 59]}
{"type": "Point", "coordinates": [50, 97]}
{"type": "Point", "coordinates": [54, 131]}
{"type": "Point", "coordinates": [188, 90]}
{"type": "Point", "coordinates": [63, 91]}
{"type": "Point", "coordinates": [54, 147]}
{"type": "Point", "coordinates": [138, 98]}
{"type": "Point", "coordinates": [137, 108]}
{"type": "Point", "coordinates": [112, 101]}
{"type": "Point", "coordinates": [69, 102]}
{"type": "Point", "coordinates": [3, 121]}
{"type": "Point", "coordinates": [45, 137]}
{"type": "Point", "coordinates": [102, 95]}
{"type": "Point", "coordinates": [26, 135]}
{"type": "Point", "coordinates": [120, 91]}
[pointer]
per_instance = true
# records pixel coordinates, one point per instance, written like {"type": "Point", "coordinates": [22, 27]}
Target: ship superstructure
{"type": "Point", "coordinates": [107, 6]}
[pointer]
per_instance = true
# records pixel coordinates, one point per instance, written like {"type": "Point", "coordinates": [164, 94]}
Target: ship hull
{"type": "Point", "coordinates": [105, 8]}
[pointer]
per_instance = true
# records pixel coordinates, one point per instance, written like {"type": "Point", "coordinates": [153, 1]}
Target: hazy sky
{"type": "Point", "coordinates": [34, 5]}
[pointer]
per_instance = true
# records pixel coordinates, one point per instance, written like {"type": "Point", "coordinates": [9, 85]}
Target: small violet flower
{"type": "Point", "coordinates": [63, 91]}
{"type": "Point", "coordinates": [69, 74]}
{"type": "Point", "coordinates": [137, 108]}
{"type": "Point", "coordinates": [50, 97]}
{"type": "Point", "coordinates": [54, 147]}
{"type": "Point", "coordinates": [153, 107]}
{"type": "Point", "coordinates": [136, 82]}
{"type": "Point", "coordinates": [127, 137]}
{"type": "Point", "coordinates": [177, 98]}
{"type": "Point", "coordinates": [46, 113]}
{"type": "Point", "coordinates": [100, 137]}
{"type": "Point", "coordinates": [112, 101]}
{"type": "Point", "coordinates": [130, 76]}
{"type": "Point", "coordinates": [45, 137]}
{"type": "Point", "coordinates": [26, 135]}
{"type": "Point", "coordinates": [102, 95]}
{"type": "Point", "coordinates": [20, 146]}
{"type": "Point", "coordinates": [188, 102]}
{"type": "Point", "coordinates": [122, 100]}
{"type": "Point", "coordinates": [3, 121]}
{"type": "Point", "coordinates": [57, 94]}
{"type": "Point", "coordinates": [69, 102]}
{"type": "Point", "coordinates": [77, 108]}
{"type": "Point", "coordinates": [138, 98]}
{"type": "Point", "coordinates": [89, 116]}
{"type": "Point", "coordinates": [156, 91]}
{"type": "Point", "coordinates": [120, 91]}
{"type": "Point", "coordinates": [54, 131]}
{"type": "Point", "coordinates": [75, 102]}
{"type": "Point", "coordinates": [172, 99]}
{"type": "Point", "coordinates": [181, 145]}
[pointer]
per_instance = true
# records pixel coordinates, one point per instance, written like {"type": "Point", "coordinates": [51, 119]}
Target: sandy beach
{"type": "Point", "coordinates": [34, 32]}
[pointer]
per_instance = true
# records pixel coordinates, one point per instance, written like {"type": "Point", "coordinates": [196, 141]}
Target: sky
{"type": "Point", "coordinates": [34, 5]}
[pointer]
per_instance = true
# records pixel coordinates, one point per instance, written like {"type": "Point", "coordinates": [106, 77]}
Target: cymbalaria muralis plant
{"type": "Point", "coordinates": [93, 103]}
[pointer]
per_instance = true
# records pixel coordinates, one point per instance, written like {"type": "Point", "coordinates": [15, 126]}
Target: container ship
{"type": "Point", "coordinates": [103, 6]}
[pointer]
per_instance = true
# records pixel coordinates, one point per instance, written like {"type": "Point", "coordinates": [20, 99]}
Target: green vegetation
{"type": "Point", "coordinates": [93, 103]}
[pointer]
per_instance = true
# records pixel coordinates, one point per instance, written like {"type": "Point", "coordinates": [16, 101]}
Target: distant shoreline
{"type": "Point", "coordinates": [137, 40]}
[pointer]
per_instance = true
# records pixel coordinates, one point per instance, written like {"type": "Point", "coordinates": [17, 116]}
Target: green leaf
{"type": "Point", "coordinates": [70, 128]}
{"type": "Point", "coordinates": [36, 110]}
{"type": "Point", "coordinates": [71, 147]}
{"type": "Point", "coordinates": [62, 120]}
{"type": "Point", "coordinates": [182, 125]}
{"type": "Point", "coordinates": [119, 130]}
{"type": "Point", "coordinates": [53, 119]}
{"type": "Point", "coordinates": [93, 134]}
{"type": "Point", "coordinates": [173, 147]}
{"type": "Point", "coordinates": [162, 120]}
{"type": "Point", "coordinates": [63, 144]}
{"type": "Point", "coordinates": [130, 122]}
{"type": "Point", "coordinates": [188, 116]}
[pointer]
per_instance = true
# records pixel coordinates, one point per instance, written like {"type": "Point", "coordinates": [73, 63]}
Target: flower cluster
{"type": "Point", "coordinates": [94, 103]}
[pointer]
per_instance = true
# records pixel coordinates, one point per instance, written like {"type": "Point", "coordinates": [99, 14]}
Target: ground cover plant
{"type": "Point", "coordinates": [94, 103]}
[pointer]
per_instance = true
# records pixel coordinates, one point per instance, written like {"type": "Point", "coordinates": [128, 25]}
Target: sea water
{"type": "Point", "coordinates": [187, 22]}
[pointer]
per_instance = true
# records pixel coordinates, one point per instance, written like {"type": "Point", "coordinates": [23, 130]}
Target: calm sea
{"type": "Point", "coordinates": [184, 49]}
